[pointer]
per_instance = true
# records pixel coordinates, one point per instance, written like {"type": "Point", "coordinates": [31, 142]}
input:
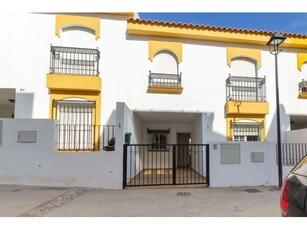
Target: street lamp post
{"type": "Point", "coordinates": [274, 46]}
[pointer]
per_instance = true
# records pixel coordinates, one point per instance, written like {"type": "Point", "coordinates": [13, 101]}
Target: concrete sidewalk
{"type": "Point", "coordinates": [36, 201]}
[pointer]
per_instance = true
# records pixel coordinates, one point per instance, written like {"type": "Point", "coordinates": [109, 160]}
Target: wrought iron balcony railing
{"type": "Point", "coordinates": [302, 86]}
{"type": "Point", "coordinates": [245, 89]}
{"type": "Point", "coordinates": [74, 61]}
{"type": "Point", "coordinates": [161, 79]}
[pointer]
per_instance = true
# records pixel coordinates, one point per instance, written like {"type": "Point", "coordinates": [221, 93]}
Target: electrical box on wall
{"type": "Point", "coordinates": [230, 154]}
{"type": "Point", "coordinates": [257, 156]}
{"type": "Point", "coordinates": [26, 137]}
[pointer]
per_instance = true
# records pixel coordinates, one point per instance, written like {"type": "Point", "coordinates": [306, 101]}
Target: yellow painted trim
{"type": "Point", "coordinates": [73, 82]}
{"type": "Point", "coordinates": [208, 34]}
{"type": "Point", "coordinates": [155, 47]}
{"type": "Point", "coordinates": [126, 14]}
{"type": "Point", "coordinates": [229, 133]}
{"type": "Point", "coordinates": [246, 108]}
{"type": "Point", "coordinates": [301, 59]}
{"type": "Point", "coordinates": [65, 21]}
{"type": "Point", "coordinates": [253, 54]}
{"type": "Point", "coordinates": [164, 89]}
{"type": "Point", "coordinates": [302, 95]}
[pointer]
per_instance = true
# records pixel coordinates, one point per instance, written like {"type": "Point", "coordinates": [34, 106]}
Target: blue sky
{"type": "Point", "coordinates": [276, 22]}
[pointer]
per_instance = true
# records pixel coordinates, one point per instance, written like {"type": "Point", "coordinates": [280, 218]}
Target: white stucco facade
{"type": "Point", "coordinates": [124, 68]}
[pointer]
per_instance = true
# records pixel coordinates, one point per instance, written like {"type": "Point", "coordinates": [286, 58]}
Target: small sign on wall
{"type": "Point", "coordinates": [230, 154]}
{"type": "Point", "coordinates": [26, 137]}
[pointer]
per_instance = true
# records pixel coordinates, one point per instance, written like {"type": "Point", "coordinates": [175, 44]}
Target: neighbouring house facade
{"type": "Point", "coordinates": [102, 80]}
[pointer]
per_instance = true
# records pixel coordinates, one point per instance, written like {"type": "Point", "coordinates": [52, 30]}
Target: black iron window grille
{"type": "Point", "coordinates": [75, 128]}
{"type": "Point", "coordinates": [245, 89]}
{"type": "Point", "coordinates": [246, 131]}
{"type": "Point", "coordinates": [162, 79]}
{"type": "Point", "coordinates": [158, 139]}
{"type": "Point", "coordinates": [302, 86]}
{"type": "Point", "coordinates": [74, 61]}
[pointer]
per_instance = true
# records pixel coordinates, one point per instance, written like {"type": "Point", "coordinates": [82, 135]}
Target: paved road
{"type": "Point", "coordinates": [26, 201]}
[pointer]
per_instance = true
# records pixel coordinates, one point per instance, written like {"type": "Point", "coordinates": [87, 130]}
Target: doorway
{"type": "Point", "coordinates": [183, 150]}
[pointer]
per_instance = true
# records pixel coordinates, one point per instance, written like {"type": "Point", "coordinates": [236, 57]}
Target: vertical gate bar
{"type": "Point", "coordinates": [180, 171]}
{"type": "Point", "coordinates": [292, 150]}
{"type": "Point", "coordinates": [288, 150]}
{"type": "Point", "coordinates": [192, 170]}
{"type": "Point", "coordinates": [207, 165]}
{"type": "Point", "coordinates": [142, 153]}
{"type": "Point", "coordinates": [302, 151]}
{"type": "Point", "coordinates": [139, 156]}
{"type": "Point", "coordinates": [283, 153]}
{"type": "Point", "coordinates": [202, 164]}
{"type": "Point", "coordinates": [199, 157]}
{"type": "Point", "coordinates": [148, 165]}
{"type": "Point", "coordinates": [187, 160]}
{"type": "Point", "coordinates": [295, 153]}
{"type": "Point", "coordinates": [174, 164]}
{"type": "Point", "coordinates": [169, 163]}
{"type": "Point", "coordinates": [135, 163]}
{"type": "Point", "coordinates": [152, 165]}
{"type": "Point", "coordinates": [125, 166]}
{"type": "Point", "coordinates": [160, 164]}
{"type": "Point", "coordinates": [130, 160]}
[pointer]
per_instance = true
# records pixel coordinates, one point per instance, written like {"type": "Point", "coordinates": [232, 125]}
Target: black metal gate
{"type": "Point", "coordinates": [146, 165]}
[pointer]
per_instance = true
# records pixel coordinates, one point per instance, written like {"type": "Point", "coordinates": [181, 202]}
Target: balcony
{"type": "Point", "coordinates": [245, 89]}
{"type": "Point", "coordinates": [302, 89]}
{"type": "Point", "coordinates": [74, 61]}
{"type": "Point", "coordinates": [74, 69]}
{"type": "Point", "coordinates": [246, 96]}
{"type": "Point", "coordinates": [164, 83]}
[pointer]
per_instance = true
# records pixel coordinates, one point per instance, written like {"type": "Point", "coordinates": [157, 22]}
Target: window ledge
{"type": "Point", "coordinates": [164, 89]}
{"type": "Point", "coordinates": [302, 95]}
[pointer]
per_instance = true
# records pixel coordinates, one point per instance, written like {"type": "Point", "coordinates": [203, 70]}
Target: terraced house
{"type": "Point", "coordinates": [76, 87]}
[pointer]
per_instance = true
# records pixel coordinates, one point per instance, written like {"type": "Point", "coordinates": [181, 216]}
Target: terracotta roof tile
{"type": "Point", "coordinates": [200, 26]}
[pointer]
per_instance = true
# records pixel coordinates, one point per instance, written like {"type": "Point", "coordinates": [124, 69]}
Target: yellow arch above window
{"type": "Point", "coordinates": [301, 59]}
{"type": "Point", "coordinates": [156, 46]}
{"type": "Point", "coordinates": [64, 21]}
{"type": "Point", "coordinates": [253, 54]}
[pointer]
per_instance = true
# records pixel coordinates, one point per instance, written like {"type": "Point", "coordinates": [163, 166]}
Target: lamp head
{"type": "Point", "coordinates": [275, 41]}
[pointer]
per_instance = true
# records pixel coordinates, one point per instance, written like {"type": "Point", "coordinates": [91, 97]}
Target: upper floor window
{"type": "Point", "coordinates": [165, 62]}
{"type": "Point", "coordinates": [77, 36]}
{"type": "Point", "coordinates": [244, 67]}
{"type": "Point", "coordinates": [164, 71]}
{"type": "Point", "coordinates": [243, 83]}
{"type": "Point", "coordinates": [164, 76]}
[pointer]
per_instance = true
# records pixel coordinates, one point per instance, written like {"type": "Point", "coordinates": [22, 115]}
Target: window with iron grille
{"type": "Point", "coordinates": [165, 70]}
{"type": "Point", "coordinates": [246, 131]}
{"type": "Point", "coordinates": [158, 139]}
{"type": "Point", "coordinates": [75, 127]}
